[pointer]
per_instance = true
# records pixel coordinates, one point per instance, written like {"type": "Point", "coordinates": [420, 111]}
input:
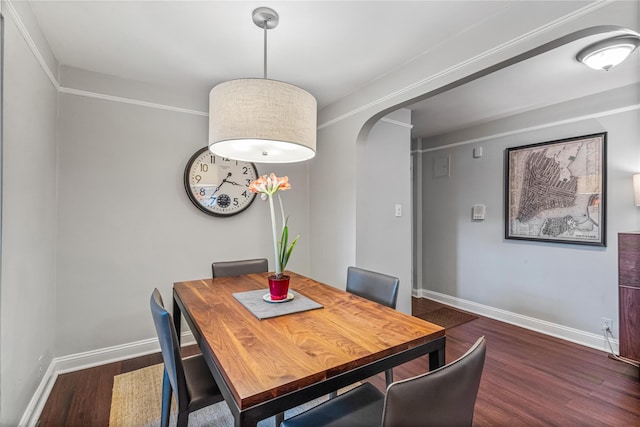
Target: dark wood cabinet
{"type": "Point", "coordinates": [629, 294]}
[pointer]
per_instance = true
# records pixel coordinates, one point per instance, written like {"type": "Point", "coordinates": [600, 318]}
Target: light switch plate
{"type": "Point", "coordinates": [478, 212]}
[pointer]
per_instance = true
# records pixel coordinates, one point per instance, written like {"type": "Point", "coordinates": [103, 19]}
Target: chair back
{"type": "Point", "coordinates": [444, 397]}
{"type": "Point", "coordinates": [170, 348]}
{"type": "Point", "coordinates": [373, 286]}
{"type": "Point", "coordinates": [236, 268]}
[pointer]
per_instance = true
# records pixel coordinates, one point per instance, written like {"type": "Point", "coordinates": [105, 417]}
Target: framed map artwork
{"type": "Point", "coordinates": [555, 191]}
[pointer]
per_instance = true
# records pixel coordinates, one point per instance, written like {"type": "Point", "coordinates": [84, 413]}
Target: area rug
{"type": "Point", "coordinates": [136, 402]}
{"type": "Point", "coordinates": [447, 317]}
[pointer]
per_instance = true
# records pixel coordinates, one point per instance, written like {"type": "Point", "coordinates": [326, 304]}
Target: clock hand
{"type": "Point", "coordinates": [222, 182]}
{"type": "Point", "coordinates": [230, 182]}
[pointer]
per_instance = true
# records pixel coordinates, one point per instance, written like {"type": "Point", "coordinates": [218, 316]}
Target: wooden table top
{"type": "Point", "coordinates": [263, 359]}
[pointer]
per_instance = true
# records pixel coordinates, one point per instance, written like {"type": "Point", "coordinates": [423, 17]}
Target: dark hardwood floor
{"type": "Point", "coordinates": [529, 379]}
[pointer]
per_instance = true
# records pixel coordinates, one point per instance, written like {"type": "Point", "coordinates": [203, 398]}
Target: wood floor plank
{"type": "Point", "coordinates": [529, 379]}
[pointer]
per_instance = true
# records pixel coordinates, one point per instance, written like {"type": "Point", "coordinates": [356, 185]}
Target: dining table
{"type": "Point", "coordinates": [267, 357]}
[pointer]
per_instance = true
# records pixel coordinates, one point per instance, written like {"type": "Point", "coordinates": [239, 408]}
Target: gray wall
{"type": "Point", "coordinates": [569, 285]}
{"type": "Point", "coordinates": [383, 241]}
{"type": "Point", "coordinates": [28, 291]}
{"type": "Point", "coordinates": [332, 204]}
{"type": "Point", "coordinates": [126, 224]}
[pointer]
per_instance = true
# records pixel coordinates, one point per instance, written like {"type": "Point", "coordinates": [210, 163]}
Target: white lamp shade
{"type": "Point", "coordinates": [262, 121]}
{"type": "Point", "coordinates": [636, 188]}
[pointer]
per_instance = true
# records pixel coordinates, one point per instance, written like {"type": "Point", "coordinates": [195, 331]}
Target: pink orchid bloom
{"type": "Point", "coordinates": [260, 186]}
{"type": "Point", "coordinates": [269, 185]}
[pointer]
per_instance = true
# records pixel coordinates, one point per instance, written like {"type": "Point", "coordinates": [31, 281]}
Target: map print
{"type": "Point", "coordinates": [555, 191]}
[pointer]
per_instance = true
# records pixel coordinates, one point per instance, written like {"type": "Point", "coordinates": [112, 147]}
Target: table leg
{"type": "Point", "coordinates": [436, 359]}
{"type": "Point", "coordinates": [177, 321]}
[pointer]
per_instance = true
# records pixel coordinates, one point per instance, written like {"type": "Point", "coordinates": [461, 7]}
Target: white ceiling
{"type": "Point", "coordinates": [330, 48]}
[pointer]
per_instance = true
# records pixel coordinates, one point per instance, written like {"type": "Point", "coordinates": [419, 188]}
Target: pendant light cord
{"type": "Point", "coordinates": [265, 50]}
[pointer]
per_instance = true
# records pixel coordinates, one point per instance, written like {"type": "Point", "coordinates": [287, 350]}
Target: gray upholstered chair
{"type": "Point", "coordinates": [376, 287]}
{"type": "Point", "coordinates": [373, 286]}
{"type": "Point", "coordinates": [444, 397]}
{"type": "Point", "coordinates": [189, 378]}
{"type": "Point", "coordinates": [236, 268]}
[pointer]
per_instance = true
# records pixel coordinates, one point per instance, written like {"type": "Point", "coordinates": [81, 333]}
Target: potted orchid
{"type": "Point", "coordinates": [268, 187]}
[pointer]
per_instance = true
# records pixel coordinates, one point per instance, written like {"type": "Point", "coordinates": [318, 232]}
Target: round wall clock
{"type": "Point", "coordinates": [217, 185]}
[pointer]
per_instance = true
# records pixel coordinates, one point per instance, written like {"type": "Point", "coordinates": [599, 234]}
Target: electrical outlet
{"type": "Point", "coordinates": [607, 325]}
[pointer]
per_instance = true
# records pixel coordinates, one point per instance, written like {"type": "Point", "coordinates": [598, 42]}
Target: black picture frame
{"type": "Point", "coordinates": [555, 191]}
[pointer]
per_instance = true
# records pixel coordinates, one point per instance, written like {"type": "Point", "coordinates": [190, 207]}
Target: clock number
{"type": "Point", "coordinates": [245, 170]}
{"type": "Point", "coordinates": [202, 192]}
{"type": "Point", "coordinates": [204, 167]}
{"type": "Point", "coordinates": [213, 160]}
{"type": "Point", "coordinates": [198, 178]}
{"type": "Point", "coordinates": [235, 201]}
{"type": "Point", "coordinates": [244, 193]}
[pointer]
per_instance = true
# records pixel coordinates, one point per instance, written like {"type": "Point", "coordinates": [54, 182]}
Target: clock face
{"type": "Point", "coordinates": [217, 185]}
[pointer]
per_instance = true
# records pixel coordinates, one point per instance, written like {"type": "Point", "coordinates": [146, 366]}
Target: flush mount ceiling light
{"type": "Point", "coordinates": [262, 120]}
{"type": "Point", "coordinates": [608, 53]}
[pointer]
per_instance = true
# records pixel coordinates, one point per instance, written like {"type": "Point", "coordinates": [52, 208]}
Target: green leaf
{"type": "Point", "coordinates": [288, 253]}
{"type": "Point", "coordinates": [283, 246]}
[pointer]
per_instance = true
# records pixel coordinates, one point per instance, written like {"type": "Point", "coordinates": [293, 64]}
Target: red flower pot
{"type": "Point", "coordinates": [278, 287]}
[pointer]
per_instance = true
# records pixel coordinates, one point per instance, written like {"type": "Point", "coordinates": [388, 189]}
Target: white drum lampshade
{"type": "Point", "coordinates": [262, 121]}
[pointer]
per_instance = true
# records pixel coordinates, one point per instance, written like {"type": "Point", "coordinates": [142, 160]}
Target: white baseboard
{"type": "Point", "coordinates": [566, 333]}
{"type": "Point", "coordinates": [39, 398]}
{"type": "Point", "coordinates": [88, 359]}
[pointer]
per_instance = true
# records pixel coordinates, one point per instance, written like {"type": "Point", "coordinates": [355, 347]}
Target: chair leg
{"type": "Point", "coordinates": [388, 375]}
{"type": "Point", "coordinates": [183, 419]}
{"type": "Point", "coordinates": [166, 400]}
{"type": "Point", "coordinates": [279, 418]}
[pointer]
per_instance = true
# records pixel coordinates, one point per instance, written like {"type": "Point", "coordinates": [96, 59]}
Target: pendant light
{"type": "Point", "coordinates": [262, 120]}
{"type": "Point", "coordinates": [606, 54]}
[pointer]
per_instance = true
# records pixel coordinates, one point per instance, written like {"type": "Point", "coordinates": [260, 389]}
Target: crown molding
{"type": "Point", "coordinates": [24, 32]}
{"type": "Point", "coordinates": [397, 123]}
{"type": "Point", "coordinates": [124, 100]}
{"type": "Point", "coordinates": [580, 118]}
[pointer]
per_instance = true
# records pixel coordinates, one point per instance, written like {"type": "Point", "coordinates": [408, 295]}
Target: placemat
{"type": "Point", "coordinates": [262, 309]}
